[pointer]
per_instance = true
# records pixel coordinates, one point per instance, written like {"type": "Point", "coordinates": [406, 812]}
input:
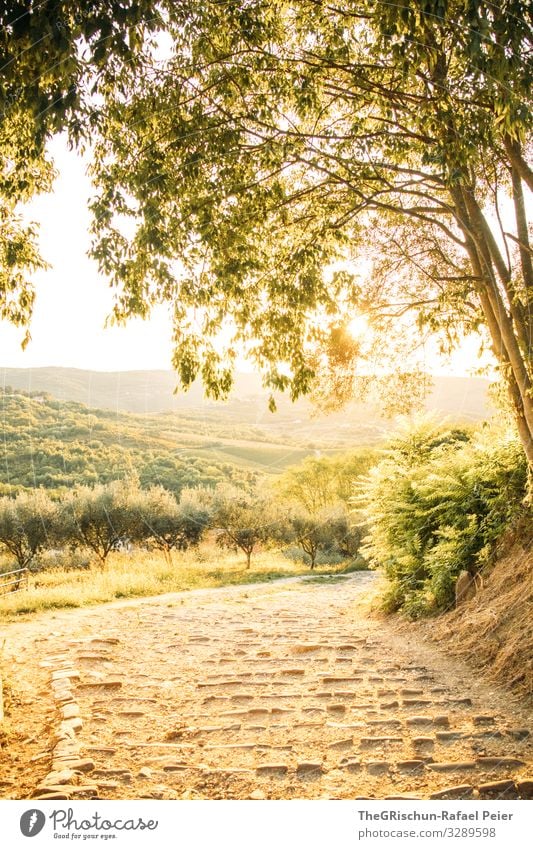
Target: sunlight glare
{"type": "Point", "coordinates": [358, 326]}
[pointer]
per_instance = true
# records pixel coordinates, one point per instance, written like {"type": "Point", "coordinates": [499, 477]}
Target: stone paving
{"type": "Point", "coordinates": [267, 692]}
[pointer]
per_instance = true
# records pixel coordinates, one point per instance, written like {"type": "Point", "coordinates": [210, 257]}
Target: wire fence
{"type": "Point", "coordinates": [14, 581]}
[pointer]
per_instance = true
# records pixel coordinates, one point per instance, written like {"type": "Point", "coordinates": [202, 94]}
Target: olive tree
{"type": "Point", "coordinates": [327, 530]}
{"type": "Point", "coordinates": [28, 525]}
{"type": "Point", "coordinates": [243, 520]}
{"type": "Point", "coordinates": [100, 517]}
{"type": "Point", "coordinates": [169, 525]}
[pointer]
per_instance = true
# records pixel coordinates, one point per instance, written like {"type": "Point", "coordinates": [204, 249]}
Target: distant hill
{"type": "Point", "coordinates": [60, 444]}
{"type": "Point", "coordinates": [62, 427]}
{"type": "Point", "coordinates": [153, 392]}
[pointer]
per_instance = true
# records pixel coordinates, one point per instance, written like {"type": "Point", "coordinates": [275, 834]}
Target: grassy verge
{"type": "Point", "coordinates": [144, 573]}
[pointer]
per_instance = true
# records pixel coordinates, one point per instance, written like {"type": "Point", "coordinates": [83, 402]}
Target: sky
{"type": "Point", "coordinates": [73, 300]}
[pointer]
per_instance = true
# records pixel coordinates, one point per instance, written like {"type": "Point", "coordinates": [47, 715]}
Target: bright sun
{"type": "Point", "coordinates": [358, 326]}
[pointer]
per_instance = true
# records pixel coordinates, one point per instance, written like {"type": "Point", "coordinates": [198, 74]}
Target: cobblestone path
{"type": "Point", "coordinates": [266, 692]}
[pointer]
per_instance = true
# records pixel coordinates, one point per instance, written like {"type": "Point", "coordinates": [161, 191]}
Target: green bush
{"type": "Point", "coordinates": [435, 505]}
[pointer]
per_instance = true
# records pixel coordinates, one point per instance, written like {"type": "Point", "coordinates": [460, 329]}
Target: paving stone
{"type": "Point", "coordinates": [105, 684]}
{"type": "Point", "coordinates": [48, 797]}
{"type": "Point", "coordinates": [257, 795]}
{"type": "Point", "coordinates": [112, 771]}
{"type": "Point", "coordinates": [518, 733]}
{"type": "Point", "coordinates": [410, 766]}
{"type": "Point", "coordinates": [377, 767]}
{"type": "Point", "coordinates": [389, 705]}
{"type": "Point", "coordinates": [94, 656]}
{"type": "Point", "coordinates": [498, 789]}
{"type": "Point", "coordinates": [416, 702]}
{"type": "Point", "coordinates": [309, 768]}
{"type": "Point", "coordinates": [336, 708]}
{"type": "Point", "coordinates": [459, 766]}
{"type": "Point", "coordinates": [525, 788]}
{"type": "Point", "coordinates": [401, 798]}
{"type": "Point", "coordinates": [332, 679]}
{"type": "Point", "coordinates": [423, 741]}
{"type": "Point", "coordinates": [63, 698]}
{"type": "Point", "coordinates": [76, 723]}
{"type": "Point", "coordinates": [368, 742]}
{"type": "Point", "coordinates": [461, 791]}
{"type": "Point", "coordinates": [483, 719]}
{"type": "Point", "coordinates": [350, 765]}
{"type": "Point", "coordinates": [499, 761]}
{"type": "Point", "coordinates": [102, 750]}
{"type": "Point", "coordinates": [341, 744]}
{"type": "Point", "coordinates": [64, 776]}
{"type": "Point", "coordinates": [445, 736]}
{"type": "Point", "coordinates": [145, 772]}
{"type": "Point", "coordinates": [78, 790]}
{"type": "Point", "coordinates": [272, 769]}
{"type": "Point", "coordinates": [428, 720]}
{"type": "Point", "coordinates": [70, 710]}
{"type": "Point", "coordinates": [70, 674]}
{"type": "Point", "coordinates": [492, 734]}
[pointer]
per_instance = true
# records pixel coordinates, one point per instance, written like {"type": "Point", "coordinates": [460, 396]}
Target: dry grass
{"type": "Point", "coordinates": [494, 630]}
{"type": "Point", "coordinates": [143, 573]}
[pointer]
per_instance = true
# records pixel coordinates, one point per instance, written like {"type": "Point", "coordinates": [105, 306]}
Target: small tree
{"type": "Point", "coordinates": [320, 482]}
{"type": "Point", "coordinates": [27, 523]}
{"type": "Point", "coordinates": [169, 525]}
{"type": "Point", "coordinates": [100, 517]}
{"type": "Point", "coordinates": [328, 529]}
{"type": "Point", "coordinates": [244, 520]}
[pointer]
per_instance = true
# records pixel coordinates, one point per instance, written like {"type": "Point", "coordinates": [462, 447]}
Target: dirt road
{"type": "Point", "coordinates": [288, 690]}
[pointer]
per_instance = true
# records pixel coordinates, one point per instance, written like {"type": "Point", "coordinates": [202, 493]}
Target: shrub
{"type": "Point", "coordinates": [435, 505]}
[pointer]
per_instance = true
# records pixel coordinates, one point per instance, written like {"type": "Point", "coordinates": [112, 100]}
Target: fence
{"type": "Point", "coordinates": [14, 582]}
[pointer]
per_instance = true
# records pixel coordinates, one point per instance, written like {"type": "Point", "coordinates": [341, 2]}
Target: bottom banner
{"type": "Point", "coordinates": [267, 824]}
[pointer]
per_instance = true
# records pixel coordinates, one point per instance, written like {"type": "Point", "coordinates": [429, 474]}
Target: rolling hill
{"type": "Point", "coordinates": [62, 427]}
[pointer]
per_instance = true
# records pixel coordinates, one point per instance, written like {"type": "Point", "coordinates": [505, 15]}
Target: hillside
{"type": "Point", "coordinates": [56, 444]}
{"type": "Point", "coordinates": [153, 392]}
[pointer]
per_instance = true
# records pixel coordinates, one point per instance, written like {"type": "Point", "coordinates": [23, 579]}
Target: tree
{"type": "Point", "coordinates": [100, 517]}
{"type": "Point", "coordinates": [27, 525]}
{"type": "Point", "coordinates": [56, 57]}
{"type": "Point", "coordinates": [279, 141]}
{"type": "Point", "coordinates": [283, 138]}
{"type": "Point", "coordinates": [319, 482]}
{"type": "Point", "coordinates": [170, 525]}
{"type": "Point", "coordinates": [326, 530]}
{"type": "Point", "coordinates": [243, 520]}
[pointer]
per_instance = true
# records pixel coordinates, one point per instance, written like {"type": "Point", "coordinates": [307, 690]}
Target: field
{"type": "Point", "coordinates": [145, 574]}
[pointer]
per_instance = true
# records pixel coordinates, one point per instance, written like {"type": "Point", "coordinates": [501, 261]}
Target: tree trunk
{"type": "Point", "coordinates": [499, 322]}
{"type": "Point", "coordinates": [248, 559]}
